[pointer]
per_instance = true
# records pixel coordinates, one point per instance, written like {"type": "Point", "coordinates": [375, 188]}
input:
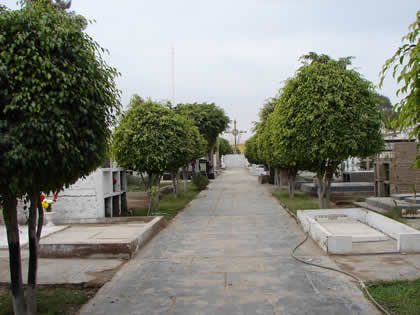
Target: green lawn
{"type": "Point", "coordinates": [301, 201]}
{"type": "Point", "coordinates": [398, 297]}
{"type": "Point", "coordinates": [52, 301]}
{"type": "Point", "coordinates": [135, 183]}
{"type": "Point", "coordinates": [169, 206]}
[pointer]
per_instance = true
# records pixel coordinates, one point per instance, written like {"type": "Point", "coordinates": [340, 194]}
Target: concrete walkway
{"type": "Point", "coordinates": [229, 253]}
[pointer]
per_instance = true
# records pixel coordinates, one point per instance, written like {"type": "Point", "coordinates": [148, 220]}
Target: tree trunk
{"type": "Point", "coordinates": [276, 179]}
{"type": "Point", "coordinates": [178, 175]}
{"type": "Point", "coordinates": [320, 192]}
{"type": "Point", "coordinates": [33, 254]}
{"type": "Point", "coordinates": [153, 180]}
{"type": "Point", "coordinates": [211, 156]}
{"type": "Point", "coordinates": [174, 183]}
{"type": "Point", "coordinates": [291, 180]}
{"type": "Point", "coordinates": [184, 175]}
{"type": "Point", "coordinates": [151, 204]}
{"type": "Point", "coordinates": [40, 219]}
{"type": "Point", "coordinates": [12, 228]}
{"type": "Point", "coordinates": [279, 177]}
{"type": "Point", "coordinates": [324, 188]}
{"type": "Point", "coordinates": [158, 193]}
{"type": "Point", "coordinates": [328, 193]}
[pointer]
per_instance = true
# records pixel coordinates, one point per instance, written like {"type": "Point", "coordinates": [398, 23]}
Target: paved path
{"type": "Point", "coordinates": [229, 253]}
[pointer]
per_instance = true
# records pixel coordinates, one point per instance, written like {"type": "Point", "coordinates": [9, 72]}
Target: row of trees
{"type": "Point", "coordinates": [58, 103]}
{"type": "Point", "coordinates": [326, 113]}
{"type": "Point", "coordinates": [153, 138]}
{"type": "Point", "coordinates": [322, 115]}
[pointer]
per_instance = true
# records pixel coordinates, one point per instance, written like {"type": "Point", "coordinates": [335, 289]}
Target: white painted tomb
{"type": "Point", "coordinates": [335, 230]}
{"type": "Point", "coordinates": [101, 194]}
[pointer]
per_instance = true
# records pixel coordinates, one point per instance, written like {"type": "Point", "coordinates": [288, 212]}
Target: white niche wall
{"type": "Point", "coordinates": [101, 194]}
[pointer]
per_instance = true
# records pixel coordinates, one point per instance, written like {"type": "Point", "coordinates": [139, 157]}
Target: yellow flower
{"type": "Point", "coordinates": [46, 204]}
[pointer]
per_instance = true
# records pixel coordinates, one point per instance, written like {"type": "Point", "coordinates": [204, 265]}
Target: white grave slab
{"type": "Point", "coordinates": [346, 226]}
{"type": "Point", "coordinates": [336, 229]}
{"type": "Point", "coordinates": [23, 233]}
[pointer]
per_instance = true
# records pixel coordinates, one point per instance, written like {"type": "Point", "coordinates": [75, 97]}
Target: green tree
{"type": "Point", "coordinates": [405, 65]}
{"type": "Point", "coordinates": [251, 151]}
{"type": "Point", "coordinates": [210, 120]}
{"type": "Point", "coordinates": [264, 140]}
{"type": "Point", "coordinates": [58, 4]}
{"type": "Point", "coordinates": [266, 144]}
{"type": "Point", "coordinates": [224, 147]}
{"type": "Point", "coordinates": [187, 145]}
{"type": "Point", "coordinates": [326, 114]}
{"type": "Point", "coordinates": [58, 101]}
{"type": "Point", "coordinates": [280, 143]}
{"type": "Point", "coordinates": [385, 106]}
{"type": "Point", "coordinates": [197, 145]}
{"type": "Point", "coordinates": [151, 138]}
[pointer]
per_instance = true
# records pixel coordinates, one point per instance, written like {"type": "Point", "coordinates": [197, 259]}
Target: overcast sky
{"type": "Point", "coordinates": [237, 53]}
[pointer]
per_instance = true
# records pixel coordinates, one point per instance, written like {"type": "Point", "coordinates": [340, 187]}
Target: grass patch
{"type": "Point", "coordinates": [398, 297]}
{"type": "Point", "coordinates": [301, 201]}
{"type": "Point", "coordinates": [169, 206]}
{"type": "Point", "coordinates": [394, 214]}
{"type": "Point", "coordinates": [52, 301]}
{"type": "Point", "coordinates": [135, 184]}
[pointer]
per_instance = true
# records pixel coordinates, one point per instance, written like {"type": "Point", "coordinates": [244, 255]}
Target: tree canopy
{"type": "Point", "coordinates": [385, 106]}
{"type": "Point", "coordinates": [58, 4]}
{"type": "Point", "coordinates": [210, 119]}
{"type": "Point", "coordinates": [320, 117]}
{"type": "Point", "coordinates": [152, 138]}
{"type": "Point", "coordinates": [224, 147]}
{"type": "Point", "coordinates": [325, 114]}
{"type": "Point", "coordinates": [48, 68]}
{"type": "Point", "coordinates": [58, 101]}
{"type": "Point", "coordinates": [251, 150]}
{"type": "Point", "coordinates": [405, 65]}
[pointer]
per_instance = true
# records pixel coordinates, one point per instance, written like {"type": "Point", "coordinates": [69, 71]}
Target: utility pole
{"type": "Point", "coordinates": [236, 133]}
{"type": "Point", "coordinates": [173, 74]}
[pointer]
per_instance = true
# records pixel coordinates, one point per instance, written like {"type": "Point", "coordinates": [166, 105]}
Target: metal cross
{"type": "Point", "coordinates": [236, 133]}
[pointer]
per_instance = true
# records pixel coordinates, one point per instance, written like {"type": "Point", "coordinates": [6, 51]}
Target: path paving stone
{"type": "Point", "coordinates": [228, 252]}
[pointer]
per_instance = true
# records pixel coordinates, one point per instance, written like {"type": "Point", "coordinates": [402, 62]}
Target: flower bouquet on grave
{"type": "Point", "coordinates": [47, 206]}
{"type": "Point", "coordinates": [47, 203]}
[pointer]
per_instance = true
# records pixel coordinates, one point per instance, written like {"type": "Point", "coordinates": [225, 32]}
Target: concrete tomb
{"type": "Point", "coordinates": [337, 231]}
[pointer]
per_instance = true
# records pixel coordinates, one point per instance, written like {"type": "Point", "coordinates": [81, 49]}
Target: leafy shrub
{"type": "Point", "coordinates": [200, 181]}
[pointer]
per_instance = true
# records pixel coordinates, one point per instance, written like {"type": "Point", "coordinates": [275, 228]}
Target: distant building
{"type": "Point", "coordinates": [394, 167]}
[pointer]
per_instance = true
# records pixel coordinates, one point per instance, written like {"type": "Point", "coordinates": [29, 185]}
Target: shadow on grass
{"type": "Point", "coordinates": [135, 184]}
{"type": "Point", "coordinates": [169, 206]}
{"type": "Point", "coordinates": [52, 300]}
{"type": "Point", "coordinates": [301, 201]}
